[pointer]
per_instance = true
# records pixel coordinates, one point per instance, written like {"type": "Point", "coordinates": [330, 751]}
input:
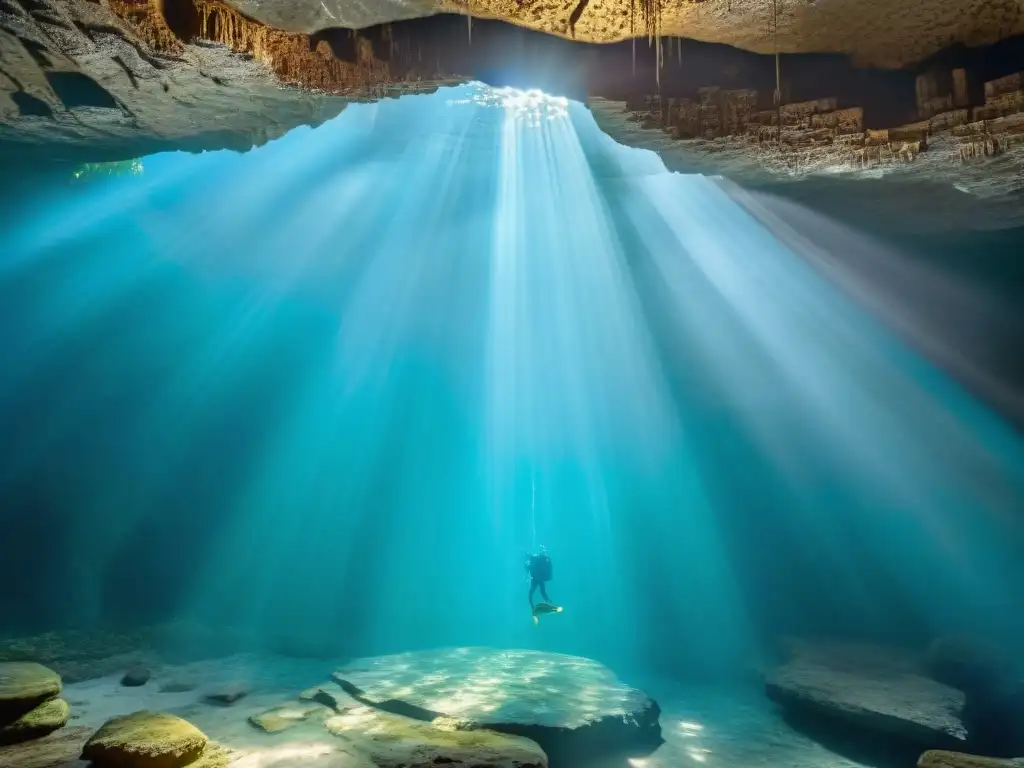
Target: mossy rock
{"type": "Point", "coordinates": [41, 721]}
{"type": "Point", "coordinates": [939, 759]}
{"type": "Point", "coordinates": [400, 741]}
{"type": "Point", "coordinates": [24, 685]}
{"type": "Point", "coordinates": [214, 756]}
{"type": "Point", "coordinates": [145, 740]}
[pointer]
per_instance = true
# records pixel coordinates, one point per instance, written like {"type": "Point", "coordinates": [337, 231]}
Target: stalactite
{"type": "Point", "coordinates": [657, 66]}
{"type": "Point", "coordinates": [634, 57]}
{"type": "Point", "coordinates": [679, 51]}
{"type": "Point", "coordinates": [778, 78]}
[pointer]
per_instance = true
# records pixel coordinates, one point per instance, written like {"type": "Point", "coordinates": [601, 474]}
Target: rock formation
{"type": "Point", "coordinates": [734, 129]}
{"type": "Point", "coordinates": [41, 721]}
{"type": "Point", "coordinates": [145, 740]}
{"type": "Point", "coordinates": [288, 716]}
{"type": "Point", "coordinates": [227, 695]}
{"type": "Point", "coordinates": [74, 76]}
{"type": "Point", "coordinates": [876, 702]}
{"type": "Point", "coordinates": [393, 741]}
{"type": "Point", "coordinates": [874, 698]}
{"type": "Point", "coordinates": [572, 707]}
{"type": "Point", "coordinates": [877, 32]}
{"type": "Point", "coordinates": [940, 759]}
{"type": "Point", "coordinates": [24, 686]}
{"type": "Point", "coordinates": [136, 676]}
{"type": "Point", "coordinates": [29, 707]}
{"type": "Point", "coordinates": [84, 82]}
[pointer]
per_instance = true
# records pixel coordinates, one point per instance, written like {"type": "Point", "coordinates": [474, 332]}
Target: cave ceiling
{"type": "Point", "coordinates": [875, 32]}
{"type": "Point", "coordinates": [877, 128]}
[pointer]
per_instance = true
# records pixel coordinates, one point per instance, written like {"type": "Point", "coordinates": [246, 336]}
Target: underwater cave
{"type": "Point", "coordinates": [601, 384]}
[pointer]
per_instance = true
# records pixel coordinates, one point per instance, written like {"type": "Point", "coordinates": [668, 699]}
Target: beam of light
{"type": "Point", "coordinates": [923, 465]}
{"type": "Point", "coordinates": [352, 376]}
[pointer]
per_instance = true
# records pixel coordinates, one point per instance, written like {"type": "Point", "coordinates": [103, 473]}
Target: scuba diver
{"type": "Point", "coordinates": [539, 568]}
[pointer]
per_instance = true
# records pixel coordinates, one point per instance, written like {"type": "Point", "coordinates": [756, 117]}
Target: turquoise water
{"type": "Point", "coordinates": [332, 390]}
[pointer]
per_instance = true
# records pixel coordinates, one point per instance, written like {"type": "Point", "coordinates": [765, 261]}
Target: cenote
{"type": "Point", "coordinates": [445, 391]}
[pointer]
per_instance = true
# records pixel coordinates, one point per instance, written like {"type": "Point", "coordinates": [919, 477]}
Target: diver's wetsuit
{"type": "Point", "coordinates": [539, 567]}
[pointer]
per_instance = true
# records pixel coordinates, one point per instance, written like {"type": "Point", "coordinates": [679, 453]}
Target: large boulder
{"type": "Point", "coordinates": [145, 740]}
{"type": "Point", "coordinates": [25, 685]}
{"type": "Point", "coordinates": [876, 701]}
{"type": "Point", "coordinates": [137, 676]}
{"type": "Point", "coordinates": [574, 708]}
{"type": "Point", "coordinates": [940, 759]}
{"type": "Point", "coordinates": [41, 721]}
{"type": "Point", "coordinates": [393, 741]}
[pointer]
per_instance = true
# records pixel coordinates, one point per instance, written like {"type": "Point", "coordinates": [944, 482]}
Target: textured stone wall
{"type": "Point", "coordinates": [819, 133]}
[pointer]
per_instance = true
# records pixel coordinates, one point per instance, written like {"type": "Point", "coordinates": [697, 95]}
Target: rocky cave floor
{"type": "Point", "coordinates": [487, 708]}
{"type": "Point", "coordinates": [710, 725]}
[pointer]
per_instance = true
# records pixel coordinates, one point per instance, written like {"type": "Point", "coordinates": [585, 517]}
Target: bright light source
{"type": "Point", "coordinates": [531, 107]}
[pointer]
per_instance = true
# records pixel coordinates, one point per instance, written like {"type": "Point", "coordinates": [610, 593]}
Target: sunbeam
{"type": "Point", "coordinates": [332, 391]}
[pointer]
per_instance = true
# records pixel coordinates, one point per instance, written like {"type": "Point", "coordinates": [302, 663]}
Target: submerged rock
{"type": "Point", "coordinates": [876, 701]}
{"type": "Point", "coordinates": [227, 695]}
{"type": "Point", "coordinates": [178, 685]}
{"type": "Point", "coordinates": [41, 721]}
{"type": "Point", "coordinates": [574, 708]}
{"type": "Point", "coordinates": [145, 740]}
{"type": "Point", "coordinates": [940, 759]}
{"type": "Point", "coordinates": [24, 685]}
{"type": "Point", "coordinates": [330, 695]}
{"type": "Point", "coordinates": [393, 741]}
{"type": "Point", "coordinates": [136, 676]}
{"type": "Point", "coordinates": [282, 718]}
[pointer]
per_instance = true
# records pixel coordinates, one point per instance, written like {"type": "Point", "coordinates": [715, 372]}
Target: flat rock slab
{"type": "Point", "coordinates": [571, 706]}
{"type": "Point", "coordinates": [282, 718]}
{"type": "Point", "coordinates": [874, 701]}
{"type": "Point", "coordinates": [393, 741]}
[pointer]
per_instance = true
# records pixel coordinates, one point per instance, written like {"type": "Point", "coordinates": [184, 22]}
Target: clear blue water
{"type": "Point", "coordinates": [335, 388]}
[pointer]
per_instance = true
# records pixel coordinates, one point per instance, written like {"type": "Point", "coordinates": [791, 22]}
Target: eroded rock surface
{"type": "Point", "coordinates": [963, 159]}
{"type": "Point", "coordinates": [288, 716]}
{"type": "Point", "coordinates": [875, 31]}
{"type": "Point", "coordinates": [393, 741]}
{"type": "Point", "coordinates": [875, 700]}
{"type": "Point", "coordinates": [80, 83]}
{"type": "Point", "coordinates": [571, 706]}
